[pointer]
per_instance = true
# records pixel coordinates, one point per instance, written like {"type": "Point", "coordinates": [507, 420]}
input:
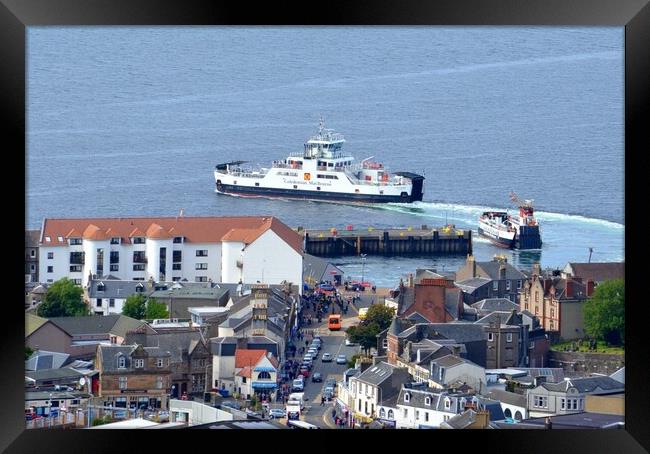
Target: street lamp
{"type": "Point", "coordinates": [49, 412]}
{"type": "Point", "coordinates": [363, 265]}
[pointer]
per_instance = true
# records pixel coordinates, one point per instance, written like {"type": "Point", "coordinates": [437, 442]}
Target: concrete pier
{"type": "Point", "coordinates": [397, 242]}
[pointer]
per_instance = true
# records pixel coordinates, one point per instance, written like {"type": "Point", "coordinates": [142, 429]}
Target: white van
{"type": "Point", "coordinates": [297, 398]}
{"type": "Point", "coordinates": [298, 385]}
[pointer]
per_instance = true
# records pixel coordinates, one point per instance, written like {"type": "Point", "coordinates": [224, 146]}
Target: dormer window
{"type": "Point", "coordinates": [407, 397]}
{"type": "Point", "coordinates": [121, 362]}
{"type": "Point", "coordinates": [139, 363]}
{"type": "Point", "coordinates": [447, 403]}
{"type": "Point", "coordinates": [75, 241]}
{"type": "Point", "coordinates": [138, 240]}
{"type": "Point", "coordinates": [178, 239]}
{"type": "Point", "coordinates": [60, 238]}
{"type": "Point", "coordinates": [139, 288]}
{"type": "Point", "coordinates": [427, 400]}
{"type": "Point", "coordinates": [115, 240]}
{"type": "Point", "coordinates": [100, 287]}
{"type": "Point", "coordinates": [48, 239]}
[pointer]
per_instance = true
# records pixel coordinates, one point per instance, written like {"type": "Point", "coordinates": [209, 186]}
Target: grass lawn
{"type": "Point", "coordinates": [601, 347]}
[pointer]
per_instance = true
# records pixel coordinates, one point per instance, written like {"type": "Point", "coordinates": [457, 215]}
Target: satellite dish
{"type": "Point", "coordinates": [82, 381]}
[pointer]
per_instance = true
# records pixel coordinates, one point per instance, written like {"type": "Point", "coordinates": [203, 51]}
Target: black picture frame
{"type": "Point", "coordinates": [16, 15]}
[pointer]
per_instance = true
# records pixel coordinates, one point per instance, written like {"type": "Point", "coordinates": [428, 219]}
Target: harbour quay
{"type": "Point", "coordinates": [391, 242]}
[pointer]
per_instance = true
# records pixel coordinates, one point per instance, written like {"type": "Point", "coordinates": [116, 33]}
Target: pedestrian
{"type": "Point", "coordinates": [333, 413]}
{"type": "Point", "coordinates": [322, 401]}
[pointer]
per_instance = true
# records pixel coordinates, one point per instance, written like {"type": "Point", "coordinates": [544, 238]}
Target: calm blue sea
{"type": "Point", "coordinates": [131, 121]}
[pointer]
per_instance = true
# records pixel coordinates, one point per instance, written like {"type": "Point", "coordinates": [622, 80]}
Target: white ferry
{"type": "Point", "coordinates": [518, 232]}
{"type": "Point", "coordinates": [321, 172]}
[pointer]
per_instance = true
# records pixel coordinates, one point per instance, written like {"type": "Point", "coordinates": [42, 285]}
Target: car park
{"type": "Point", "coordinates": [317, 377]}
{"type": "Point", "coordinates": [341, 359]}
{"type": "Point", "coordinates": [277, 413]}
{"type": "Point", "coordinates": [327, 358]}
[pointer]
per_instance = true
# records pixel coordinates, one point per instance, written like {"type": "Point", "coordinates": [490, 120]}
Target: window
{"type": "Point", "coordinates": [115, 267]}
{"type": "Point", "coordinates": [536, 296]}
{"type": "Point", "coordinates": [123, 382]}
{"type": "Point", "coordinates": [264, 376]}
{"type": "Point", "coordinates": [508, 285]}
{"type": "Point", "coordinates": [50, 255]}
{"type": "Point", "coordinates": [159, 382]}
{"type": "Point", "coordinates": [531, 344]}
{"type": "Point", "coordinates": [406, 413]}
{"type": "Point", "coordinates": [518, 285]}
{"type": "Point", "coordinates": [76, 281]}
{"type": "Point", "coordinates": [178, 239]}
{"type": "Point", "coordinates": [139, 257]}
{"type": "Point", "coordinates": [139, 363]}
{"type": "Point", "coordinates": [384, 343]}
{"type": "Point", "coordinates": [365, 407]}
{"type": "Point", "coordinates": [75, 241]}
{"type": "Point", "coordinates": [138, 267]}
{"type": "Point", "coordinates": [111, 302]}
{"type": "Point", "coordinates": [177, 256]}
{"type": "Point", "coordinates": [382, 413]}
{"type": "Point", "coordinates": [508, 337]}
{"type": "Point", "coordinates": [426, 416]}
{"type": "Point", "coordinates": [295, 186]}
{"type": "Point", "coordinates": [391, 415]}
{"type": "Point", "coordinates": [159, 362]}
{"type": "Point", "coordinates": [552, 312]}
{"type": "Point", "coordinates": [99, 302]}
{"type": "Point", "coordinates": [32, 253]}
{"type": "Point", "coordinates": [202, 253]}
{"type": "Point", "coordinates": [176, 266]}
{"type": "Point", "coordinates": [32, 267]}
{"type": "Point", "coordinates": [101, 287]}
{"type": "Point", "coordinates": [115, 257]}
{"type": "Point", "coordinates": [201, 266]}
{"type": "Point", "coordinates": [138, 240]}
{"type": "Point", "coordinates": [407, 397]}
{"type": "Point", "coordinates": [495, 285]}
{"type": "Point", "coordinates": [75, 268]}
{"type": "Point", "coordinates": [540, 401]}
{"type": "Point", "coordinates": [60, 238]}
{"type": "Point", "coordinates": [447, 403]}
{"type": "Point", "coordinates": [115, 240]}
{"type": "Point", "coordinates": [417, 414]}
{"type": "Point", "coordinates": [427, 401]}
{"type": "Point", "coordinates": [121, 362]}
{"type": "Point", "coordinates": [562, 404]}
{"type": "Point", "coordinates": [201, 279]}
{"type": "Point", "coordinates": [490, 337]}
{"type": "Point", "coordinates": [359, 404]}
{"type": "Point", "coordinates": [139, 288]}
{"type": "Point", "coordinates": [50, 269]}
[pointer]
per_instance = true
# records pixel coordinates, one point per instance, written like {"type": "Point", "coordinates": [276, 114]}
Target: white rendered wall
{"type": "Point", "coordinates": [231, 252]}
{"type": "Point", "coordinates": [152, 248]}
{"type": "Point", "coordinates": [270, 260]}
{"type": "Point", "coordinates": [188, 268]}
{"type": "Point", "coordinates": [60, 263]}
{"type": "Point", "coordinates": [90, 252]}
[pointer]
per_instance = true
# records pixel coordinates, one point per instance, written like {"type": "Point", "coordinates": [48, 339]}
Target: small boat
{"type": "Point", "coordinates": [512, 231]}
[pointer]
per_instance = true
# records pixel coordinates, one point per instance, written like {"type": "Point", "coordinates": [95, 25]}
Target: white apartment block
{"type": "Point", "coordinates": [196, 249]}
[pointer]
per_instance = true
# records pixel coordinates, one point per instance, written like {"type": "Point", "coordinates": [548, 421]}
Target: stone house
{"type": "Point", "coordinates": [431, 296]}
{"type": "Point", "coordinates": [133, 376]}
{"type": "Point", "coordinates": [568, 396]}
{"type": "Point", "coordinates": [373, 386]}
{"type": "Point", "coordinates": [31, 255]}
{"type": "Point", "coordinates": [493, 279]}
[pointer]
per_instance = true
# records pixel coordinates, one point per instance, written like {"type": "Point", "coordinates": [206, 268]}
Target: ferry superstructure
{"type": "Point", "coordinates": [322, 171]}
{"type": "Point", "coordinates": [512, 231]}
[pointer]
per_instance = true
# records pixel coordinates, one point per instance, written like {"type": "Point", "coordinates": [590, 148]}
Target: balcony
{"type": "Point", "coordinates": [139, 259]}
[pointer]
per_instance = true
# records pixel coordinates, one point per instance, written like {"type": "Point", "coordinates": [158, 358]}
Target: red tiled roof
{"type": "Point", "coordinates": [245, 372]}
{"type": "Point", "coordinates": [245, 357]}
{"type": "Point", "coordinates": [194, 229]}
{"type": "Point", "coordinates": [156, 231]}
{"type": "Point", "coordinates": [74, 233]}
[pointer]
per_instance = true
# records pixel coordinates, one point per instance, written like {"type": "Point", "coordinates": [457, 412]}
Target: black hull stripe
{"type": "Point", "coordinates": [503, 243]}
{"type": "Point", "coordinates": [314, 195]}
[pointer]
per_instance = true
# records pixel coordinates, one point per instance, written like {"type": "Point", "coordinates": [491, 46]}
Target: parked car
{"type": "Point", "coordinates": [304, 371]}
{"type": "Point", "coordinates": [328, 394]}
{"type": "Point", "coordinates": [317, 377]}
{"type": "Point", "coordinates": [341, 359]}
{"type": "Point", "coordinates": [277, 413]}
{"type": "Point", "coordinates": [327, 358]}
{"type": "Point", "coordinates": [298, 385]}
{"type": "Point", "coordinates": [231, 404]}
{"type": "Point", "coordinates": [349, 343]}
{"type": "Point", "coordinates": [313, 353]}
{"type": "Point", "coordinates": [331, 389]}
{"type": "Point", "coordinates": [331, 382]}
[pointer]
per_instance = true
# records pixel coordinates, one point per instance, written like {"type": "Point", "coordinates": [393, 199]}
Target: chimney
{"type": "Point", "coordinates": [537, 269]}
{"type": "Point", "coordinates": [502, 271]}
{"type": "Point", "coordinates": [482, 419]}
{"type": "Point", "coordinates": [569, 288]}
{"type": "Point", "coordinates": [411, 280]}
{"type": "Point", "coordinates": [547, 423]}
{"type": "Point", "coordinates": [470, 259]}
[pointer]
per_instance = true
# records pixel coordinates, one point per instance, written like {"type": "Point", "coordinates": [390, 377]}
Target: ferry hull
{"type": "Point", "coordinates": [259, 191]}
{"type": "Point", "coordinates": [497, 241]}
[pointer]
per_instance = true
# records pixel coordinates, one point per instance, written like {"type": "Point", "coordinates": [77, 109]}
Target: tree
{"type": "Point", "coordinates": [28, 352]}
{"type": "Point", "coordinates": [364, 334]}
{"type": "Point", "coordinates": [63, 299]}
{"type": "Point", "coordinates": [155, 310]}
{"type": "Point", "coordinates": [604, 312]}
{"type": "Point", "coordinates": [380, 315]}
{"type": "Point", "coordinates": [135, 306]}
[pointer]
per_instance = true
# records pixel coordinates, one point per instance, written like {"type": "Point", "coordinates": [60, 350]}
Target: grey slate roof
{"type": "Point", "coordinates": [492, 269]}
{"type": "Point", "coordinates": [450, 361]}
{"type": "Point", "coordinates": [193, 292]}
{"type": "Point", "coordinates": [109, 354]}
{"type": "Point", "coordinates": [418, 398]}
{"type": "Point", "coordinates": [377, 374]}
{"type": "Point", "coordinates": [619, 375]}
{"type": "Point", "coordinates": [460, 421]}
{"type": "Point", "coordinates": [46, 374]}
{"type": "Point", "coordinates": [495, 304]}
{"type": "Point", "coordinates": [598, 272]}
{"type": "Point", "coordinates": [316, 267]}
{"type": "Point", "coordinates": [176, 342]}
{"type": "Point", "coordinates": [507, 397]}
{"type": "Point", "coordinates": [42, 359]}
{"type": "Point", "coordinates": [115, 288]}
{"type": "Point", "coordinates": [97, 324]}
{"type": "Point", "coordinates": [504, 318]}
{"type": "Point", "coordinates": [579, 420]}
{"type": "Point", "coordinates": [470, 285]}
{"type": "Point", "coordinates": [460, 332]}
{"type": "Point", "coordinates": [586, 385]}
{"type": "Point", "coordinates": [416, 317]}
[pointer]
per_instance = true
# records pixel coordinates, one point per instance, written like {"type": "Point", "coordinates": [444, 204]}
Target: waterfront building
{"type": "Point", "coordinates": [195, 249]}
{"type": "Point", "coordinates": [494, 279]}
